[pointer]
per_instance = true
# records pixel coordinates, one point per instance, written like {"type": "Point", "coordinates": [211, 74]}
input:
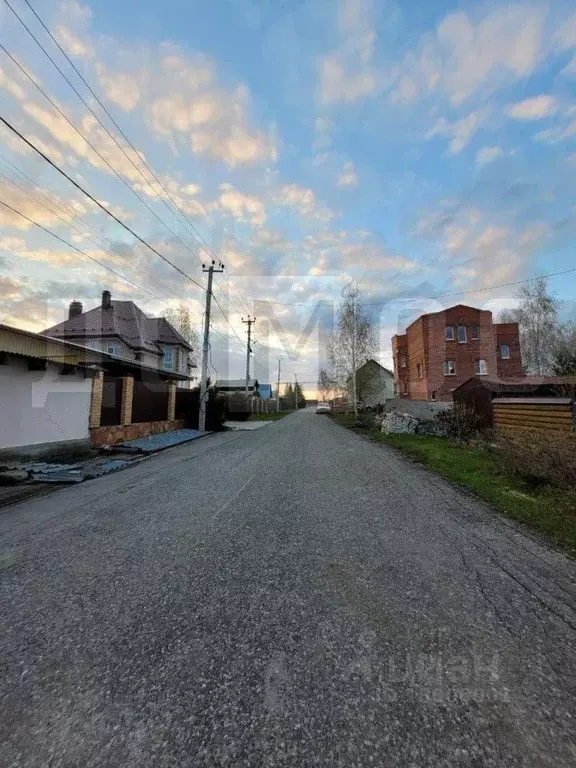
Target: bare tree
{"type": "Point", "coordinates": [179, 317]}
{"type": "Point", "coordinates": [351, 344]}
{"type": "Point", "coordinates": [537, 316]}
{"type": "Point", "coordinates": [564, 352]}
{"type": "Point", "coordinates": [325, 384]}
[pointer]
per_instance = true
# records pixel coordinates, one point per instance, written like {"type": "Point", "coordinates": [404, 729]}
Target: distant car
{"type": "Point", "coordinates": [323, 408]}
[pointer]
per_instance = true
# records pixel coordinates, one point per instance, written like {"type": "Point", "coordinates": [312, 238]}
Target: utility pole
{"type": "Point", "coordinates": [206, 345]}
{"type": "Point", "coordinates": [249, 322]}
{"type": "Point", "coordinates": [278, 390]}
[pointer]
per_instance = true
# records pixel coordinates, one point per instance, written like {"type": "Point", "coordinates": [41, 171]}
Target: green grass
{"type": "Point", "coordinates": [269, 416]}
{"type": "Point", "coordinates": [477, 469]}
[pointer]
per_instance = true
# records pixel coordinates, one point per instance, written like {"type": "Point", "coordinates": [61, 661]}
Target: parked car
{"type": "Point", "coordinates": [323, 408]}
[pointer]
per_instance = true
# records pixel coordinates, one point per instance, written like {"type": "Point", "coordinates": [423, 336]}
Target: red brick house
{"type": "Point", "coordinates": [442, 350]}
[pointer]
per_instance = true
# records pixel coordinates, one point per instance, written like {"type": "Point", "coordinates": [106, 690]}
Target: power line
{"type": "Point", "coordinates": [97, 202]}
{"type": "Point", "coordinates": [183, 218]}
{"type": "Point", "coordinates": [96, 151]}
{"type": "Point", "coordinates": [70, 245]}
{"type": "Point", "coordinates": [439, 296]}
{"type": "Point", "coordinates": [111, 250]}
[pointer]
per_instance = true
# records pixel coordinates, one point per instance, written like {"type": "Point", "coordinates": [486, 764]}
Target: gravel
{"type": "Point", "coordinates": [293, 596]}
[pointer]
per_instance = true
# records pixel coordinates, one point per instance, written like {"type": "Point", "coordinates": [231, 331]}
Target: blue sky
{"type": "Point", "coordinates": [419, 149]}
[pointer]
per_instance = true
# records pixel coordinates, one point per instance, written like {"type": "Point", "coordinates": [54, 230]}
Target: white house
{"type": "Point", "coordinates": [374, 384]}
{"type": "Point", "coordinates": [45, 390]}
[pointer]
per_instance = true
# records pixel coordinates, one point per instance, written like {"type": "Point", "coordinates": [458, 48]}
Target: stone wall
{"type": "Point", "coordinates": [111, 435]}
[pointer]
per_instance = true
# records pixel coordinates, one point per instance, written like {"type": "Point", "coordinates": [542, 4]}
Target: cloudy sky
{"type": "Point", "coordinates": [417, 148]}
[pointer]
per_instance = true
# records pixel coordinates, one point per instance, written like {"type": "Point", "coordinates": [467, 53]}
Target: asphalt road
{"type": "Point", "coordinates": [294, 596]}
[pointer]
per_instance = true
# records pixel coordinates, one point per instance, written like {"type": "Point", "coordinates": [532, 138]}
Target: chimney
{"type": "Point", "coordinates": [74, 309]}
{"type": "Point", "coordinates": [106, 300]}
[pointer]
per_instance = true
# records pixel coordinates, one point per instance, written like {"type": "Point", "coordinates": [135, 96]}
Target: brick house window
{"type": "Point", "coordinates": [405, 388]}
{"type": "Point", "coordinates": [449, 367]}
{"type": "Point", "coordinates": [505, 351]}
{"type": "Point", "coordinates": [475, 332]}
{"type": "Point", "coordinates": [462, 334]}
{"type": "Point", "coordinates": [419, 370]}
{"type": "Point", "coordinates": [433, 395]}
{"type": "Point", "coordinates": [481, 369]}
{"type": "Point", "coordinates": [449, 333]}
{"type": "Point", "coordinates": [403, 361]}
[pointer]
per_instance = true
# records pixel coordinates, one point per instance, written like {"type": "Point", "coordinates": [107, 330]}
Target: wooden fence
{"type": "Point", "coordinates": [550, 414]}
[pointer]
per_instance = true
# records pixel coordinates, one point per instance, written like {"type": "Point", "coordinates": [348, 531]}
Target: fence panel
{"type": "Point", "coordinates": [149, 403]}
{"type": "Point", "coordinates": [515, 413]}
{"type": "Point", "coordinates": [111, 401]}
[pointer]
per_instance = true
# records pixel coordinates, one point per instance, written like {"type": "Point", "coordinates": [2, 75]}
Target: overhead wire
{"type": "Point", "coordinates": [97, 202]}
{"type": "Point", "coordinates": [71, 245]}
{"type": "Point", "coordinates": [110, 248]}
{"type": "Point", "coordinates": [183, 219]}
{"type": "Point", "coordinates": [94, 149]}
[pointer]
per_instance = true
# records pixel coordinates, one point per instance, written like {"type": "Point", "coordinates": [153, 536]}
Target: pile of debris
{"type": "Point", "coordinates": [407, 424]}
{"type": "Point", "coordinates": [42, 472]}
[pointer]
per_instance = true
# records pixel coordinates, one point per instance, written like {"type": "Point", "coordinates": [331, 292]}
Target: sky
{"type": "Point", "coordinates": [424, 152]}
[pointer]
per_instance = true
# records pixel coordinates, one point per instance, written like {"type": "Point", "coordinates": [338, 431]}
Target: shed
{"type": "Point", "coordinates": [479, 392]}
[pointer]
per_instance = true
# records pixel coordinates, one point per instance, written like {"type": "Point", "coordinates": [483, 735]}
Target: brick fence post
{"type": "Point", "coordinates": [126, 404]}
{"type": "Point", "coordinates": [171, 401]}
{"type": "Point", "coordinates": [95, 414]}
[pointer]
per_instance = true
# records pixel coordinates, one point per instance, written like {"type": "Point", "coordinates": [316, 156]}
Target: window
{"type": "Point", "coordinates": [405, 388]}
{"type": "Point", "coordinates": [449, 368]}
{"type": "Point", "coordinates": [449, 333]}
{"type": "Point", "coordinates": [113, 349]}
{"type": "Point", "coordinates": [420, 370]}
{"type": "Point", "coordinates": [168, 359]}
{"type": "Point", "coordinates": [433, 395]}
{"type": "Point", "coordinates": [403, 361]}
{"type": "Point", "coordinates": [462, 334]}
{"type": "Point", "coordinates": [474, 332]}
{"type": "Point", "coordinates": [481, 369]}
{"type": "Point", "coordinates": [505, 351]}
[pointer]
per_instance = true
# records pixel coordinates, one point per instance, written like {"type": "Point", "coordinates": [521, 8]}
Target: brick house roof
{"type": "Point", "coordinates": [124, 320]}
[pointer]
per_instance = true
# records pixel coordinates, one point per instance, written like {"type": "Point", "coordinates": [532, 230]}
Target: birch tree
{"type": "Point", "coordinates": [179, 317]}
{"type": "Point", "coordinates": [537, 316]}
{"type": "Point", "coordinates": [351, 344]}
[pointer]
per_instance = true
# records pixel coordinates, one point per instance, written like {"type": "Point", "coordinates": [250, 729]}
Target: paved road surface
{"type": "Point", "coordinates": [294, 596]}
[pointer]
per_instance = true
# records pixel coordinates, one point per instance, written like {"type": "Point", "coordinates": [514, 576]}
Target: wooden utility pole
{"type": "Point", "coordinates": [206, 345]}
{"type": "Point", "coordinates": [249, 322]}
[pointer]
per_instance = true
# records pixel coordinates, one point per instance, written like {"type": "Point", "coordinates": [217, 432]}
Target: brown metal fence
{"type": "Point", "coordinates": [149, 401]}
{"type": "Point", "coordinates": [111, 401]}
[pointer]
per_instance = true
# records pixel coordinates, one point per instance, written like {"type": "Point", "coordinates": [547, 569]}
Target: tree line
{"type": "Point", "coordinates": [547, 336]}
